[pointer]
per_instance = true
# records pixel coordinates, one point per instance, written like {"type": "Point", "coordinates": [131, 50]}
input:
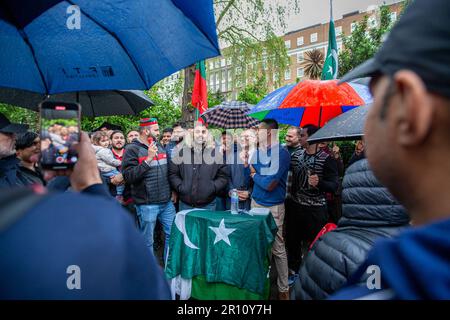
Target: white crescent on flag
{"type": "Point", "coordinates": [180, 222]}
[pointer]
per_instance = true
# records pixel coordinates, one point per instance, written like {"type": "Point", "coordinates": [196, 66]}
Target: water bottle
{"type": "Point", "coordinates": [234, 202]}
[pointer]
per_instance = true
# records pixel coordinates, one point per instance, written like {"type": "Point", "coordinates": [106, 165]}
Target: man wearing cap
{"type": "Point", "coordinates": [28, 151]}
{"type": "Point", "coordinates": [10, 174]}
{"type": "Point", "coordinates": [407, 136]}
{"type": "Point", "coordinates": [144, 167]}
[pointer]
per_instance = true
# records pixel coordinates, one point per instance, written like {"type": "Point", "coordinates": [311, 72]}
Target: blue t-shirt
{"type": "Point", "coordinates": [270, 169]}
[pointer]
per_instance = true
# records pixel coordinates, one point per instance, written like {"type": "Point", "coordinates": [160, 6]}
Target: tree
{"type": "Point", "coordinates": [247, 28]}
{"type": "Point", "coordinates": [313, 64]}
{"type": "Point", "coordinates": [365, 40]}
{"type": "Point", "coordinates": [253, 93]}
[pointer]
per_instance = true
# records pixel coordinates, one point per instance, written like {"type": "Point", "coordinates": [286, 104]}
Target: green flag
{"type": "Point", "coordinates": [219, 247]}
{"type": "Point", "coordinates": [330, 66]}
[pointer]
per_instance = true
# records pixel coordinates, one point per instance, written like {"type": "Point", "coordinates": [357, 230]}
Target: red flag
{"type": "Point", "coordinates": [200, 93]}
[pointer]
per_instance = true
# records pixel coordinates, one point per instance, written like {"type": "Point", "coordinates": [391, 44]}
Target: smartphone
{"type": "Point", "coordinates": [150, 141]}
{"type": "Point", "coordinates": [59, 124]}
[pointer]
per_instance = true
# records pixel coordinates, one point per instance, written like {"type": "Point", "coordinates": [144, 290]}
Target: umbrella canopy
{"type": "Point", "coordinates": [347, 126]}
{"type": "Point", "coordinates": [54, 46]}
{"type": "Point", "coordinates": [93, 103]}
{"type": "Point", "coordinates": [230, 115]}
{"type": "Point", "coordinates": [312, 102]}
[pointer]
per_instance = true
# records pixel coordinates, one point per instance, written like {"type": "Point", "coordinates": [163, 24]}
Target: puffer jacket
{"type": "Point", "coordinates": [369, 212]}
{"type": "Point", "coordinates": [149, 182]}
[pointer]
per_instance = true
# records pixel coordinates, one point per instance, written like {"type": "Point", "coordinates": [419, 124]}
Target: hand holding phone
{"type": "Point", "coordinates": [152, 151]}
{"type": "Point", "coordinates": [60, 131]}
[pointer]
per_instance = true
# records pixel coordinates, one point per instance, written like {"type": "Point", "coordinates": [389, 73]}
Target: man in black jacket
{"type": "Point", "coordinates": [28, 151]}
{"type": "Point", "coordinates": [314, 172]}
{"type": "Point", "coordinates": [197, 172]}
{"type": "Point", "coordinates": [10, 174]}
{"type": "Point", "coordinates": [144, 167]}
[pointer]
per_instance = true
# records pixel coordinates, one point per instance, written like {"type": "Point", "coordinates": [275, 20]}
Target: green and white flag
{"type": "Point", "coordinates": [218, 247]}
{"type": "Point", "coordinates": [330, 66]}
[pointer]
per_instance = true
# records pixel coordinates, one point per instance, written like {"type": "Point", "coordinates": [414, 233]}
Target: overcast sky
{"type": "Point", "coordinates": [317, 11]}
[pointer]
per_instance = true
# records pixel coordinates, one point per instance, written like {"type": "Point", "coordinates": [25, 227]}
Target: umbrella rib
{"type": "Point", "coordinates": [26, 40]}
{"type": "Point", "coordinates": [115, 37]}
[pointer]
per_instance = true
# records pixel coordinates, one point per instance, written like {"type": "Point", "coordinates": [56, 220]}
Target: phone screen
{"type": "Point", "coordinates": [60, 129]}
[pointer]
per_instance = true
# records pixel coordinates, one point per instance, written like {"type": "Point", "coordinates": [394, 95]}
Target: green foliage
{"type": "Point", "coordinates": [215, 99]}
{"type": "Point", "coordinates": [364, 41]}
{"type": "Point", "coordinates": [20, 115]}
{"type": "Point", "coordinates": [253, 93]}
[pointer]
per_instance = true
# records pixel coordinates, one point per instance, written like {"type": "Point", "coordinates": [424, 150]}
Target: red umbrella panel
{"type": "Point", "coordinates": [320, 101]}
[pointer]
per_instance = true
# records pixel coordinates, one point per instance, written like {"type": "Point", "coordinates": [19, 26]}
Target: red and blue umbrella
{"type": "Point", "coordinates": [311, 102]}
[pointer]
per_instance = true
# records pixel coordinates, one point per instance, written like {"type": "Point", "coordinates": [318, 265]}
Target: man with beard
{"type": "Point", "coordinates": [196, 181]}
{"type": "Point", "coordinates": [407, 140]}
{"type": "Point", "coordinates": [314, 172]}
{"type": "Point", "coordinates": [144, 167]}
{"type": "Point", "coordinates": [10, 174]}
{"type": "Point", "coordinates": [28, 151]}
{"type": "Point", "coordinates": [117, 147]}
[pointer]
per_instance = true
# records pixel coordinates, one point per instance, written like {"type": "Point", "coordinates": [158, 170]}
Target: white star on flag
{"type": "Point", "coordinates": [222, 233]}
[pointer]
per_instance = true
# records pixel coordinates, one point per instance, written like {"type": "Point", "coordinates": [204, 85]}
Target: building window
{"type": "Point", "coordinates": [313, 37]}
{"type": "Point", "coordinates": [222, 62]}
{"type": "Point", "coordinates": [287, 74]}
{"type": "Point", "coordinates": [393, 17]}
{"type": "Point", "coordinates": [338, 31]}
{"type": "Point", "coordinates": [300, 72]}
{"type": "Point", "coordinates": [300, 57]}
{"type": "Point", "coordinates": [211, 65]}
{"type": "Point", "coordinates": [300, 41]}
{"type": "Point", "coordinates": [228, 61]}
{"type": "Point", "coordinates": [372, 22]}
{"type": "Point", "coordinates": [217, 63]}
{"type": "Point", "coordinates": [287, 43]}
{"type": "Point", "coordinates": [352, 27]}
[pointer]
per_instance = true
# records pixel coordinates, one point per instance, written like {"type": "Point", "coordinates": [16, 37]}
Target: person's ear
{"type": "Point", "coordinates": [414, 109]}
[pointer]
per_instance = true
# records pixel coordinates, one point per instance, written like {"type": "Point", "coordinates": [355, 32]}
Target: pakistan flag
{"type": "Point", "coordinates": [221, 255]}
{"type": "Point", "coordinates": [330, 66]}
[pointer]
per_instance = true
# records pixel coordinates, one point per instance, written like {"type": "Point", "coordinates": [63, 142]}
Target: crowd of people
{"type": "Point", "coordinates": [332, 226]}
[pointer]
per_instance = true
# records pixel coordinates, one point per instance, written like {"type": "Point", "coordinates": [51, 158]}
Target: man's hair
{"type": "Point", "coordinates": [168, 130]}
{"type": "Point", "coordinates": [271, 124]}
{"type": "Point", "coordinates": [97, 136]}
{"type": "Point", "coordinates": [141, 129]}
{"type": "Point", "coordinates": [178, 124]}
{"type": "Point", "coordinates": [114, 132]}
{"type": "Point", "coordinates": [134, 129]}
{"type": "Point", "coordinates": [298, 130]}
{"type": "Point", "coordinates": [311, 129]}
{"type": "Point", "coordinates": [25, 140]}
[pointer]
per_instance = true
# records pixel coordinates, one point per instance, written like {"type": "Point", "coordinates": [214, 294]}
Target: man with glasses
{"type": "Point", "coordinates": [10, 174]}
{"type": "Point", "coordinates": [407, 137]}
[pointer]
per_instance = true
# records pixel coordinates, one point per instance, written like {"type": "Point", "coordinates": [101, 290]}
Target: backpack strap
{"type": "Point", "coordinates": [15, 203]}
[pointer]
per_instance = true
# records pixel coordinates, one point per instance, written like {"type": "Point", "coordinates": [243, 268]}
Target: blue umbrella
{"type": "Point", "coordinates": [52, 46]}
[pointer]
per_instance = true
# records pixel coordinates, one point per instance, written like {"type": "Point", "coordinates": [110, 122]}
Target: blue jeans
{"type": "Point", "coordinates": [147, 215]}
{"type": "Point", "coordinates": [112, 173]}
{"type": "Point", "coordinates": [211, 206]}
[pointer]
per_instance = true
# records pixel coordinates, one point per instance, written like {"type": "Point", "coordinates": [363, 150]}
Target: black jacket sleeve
{"type": "Point", "coordinates": [330, 180]}
{"type": "Point", "coordinates": [175, 176]}
{"type": "Point", "coordinates": [132, 171]}
{"type": "Point", "coordinates": [222, 178]}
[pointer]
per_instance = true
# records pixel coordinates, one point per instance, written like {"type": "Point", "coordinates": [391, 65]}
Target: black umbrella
{"type": "Point", "coordinates": [93, 103]}
{"type": "Point", "coordinates": [347, 126]}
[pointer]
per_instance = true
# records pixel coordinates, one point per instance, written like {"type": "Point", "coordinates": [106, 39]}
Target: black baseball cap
{"type": "Point", "coordinates": [420, 42]}
{"type": "Point", "coordinates": [7, 127]}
